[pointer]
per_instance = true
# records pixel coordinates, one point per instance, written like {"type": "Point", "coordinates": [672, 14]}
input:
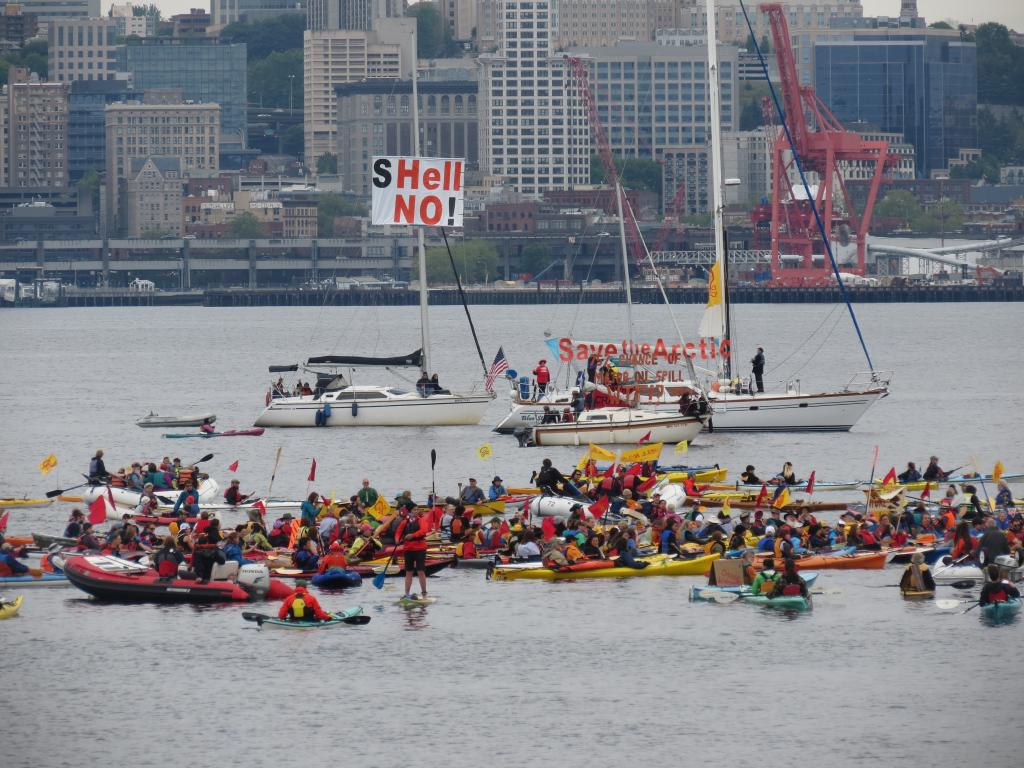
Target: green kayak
{"type": "Point", "coordinates": [1000, 612]}
{"type": "Point", "coordinates": [348, 616]}
{"type": "Point", "coordinates": [786, 603]}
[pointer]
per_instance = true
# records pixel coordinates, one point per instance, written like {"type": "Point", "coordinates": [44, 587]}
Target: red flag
{"type": "Point", "coordinates": [599, 507]}
{"type": "Point", "coordinates": [810, 483]}
{"type": "Point", "coordinates": [647, 484]}
{"type": "Point", "coordinates": [762, 497]}
{"type": "Point", "coordinates": [610, 472]}
{"type": "Point", "coordinates": [927, 493]}
{"type": "Point", "coordinates": [547, 528]}
{"type": "Point", "coordinates": [644, 439]}
{"type": "Point", "coordinates": [503, 529]}
{"type": "Point", "coordinates": [3, 520]}
{"type": "Point", "coordinates": [233, 466]}
{"type": "Point", "coordinates": [312, 471]}
{"type": "Point", "coordinates": [890, 477]}
{"type": "Point", "coordinates": [98, 511]}
{"type": "Point", "coordinates": [110, 495]}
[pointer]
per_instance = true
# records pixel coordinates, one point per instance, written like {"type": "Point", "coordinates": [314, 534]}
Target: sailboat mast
{"type": "Point", "coordinates": [625, 264]}
{"type": "Point", "coordinates": [717, 182]}
{"type": "Point", "coordinates": [422, 256]}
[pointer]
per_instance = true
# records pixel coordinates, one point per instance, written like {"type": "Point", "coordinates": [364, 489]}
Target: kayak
{"type": "Point", "coordinates": [338, 619]}
{"type": "Point", "coordinates": [192, 420]}
{"type": "Point", "coordinates": [782, 602]}
{"type": "Point", "coordinates": [857, 561]}
{"type": "Point", "coordinates": [919, 485]}
{"type": "Point", "coordinates": [902, 555]}
{"type": "Point", "coordinates": [28, 580]}
{"type": "Point", "coordinates": [7, 610]}
{"type": "Point", "coordinates": [252, 432]}
{"type": "Point", "coordinates": [918, 594]}
{"type": "Point", "coordinates": [1003, 611]}
{"type": "Point", "coordinates": [45, 541]}
{"type": "Point", "coordinates": [335, 578]}
{"type": "Point", "coordinates": [8, 503]}
{"type": "Point", "coordinates": [696, 567]}
{"type": "Point", "coordinates": [707, 592]}
{"type": "Point", "coordinates": [112, 578]}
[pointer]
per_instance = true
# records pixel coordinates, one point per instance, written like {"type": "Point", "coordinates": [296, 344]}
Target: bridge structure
{"type": "Point", "coordinates": [950, 255]}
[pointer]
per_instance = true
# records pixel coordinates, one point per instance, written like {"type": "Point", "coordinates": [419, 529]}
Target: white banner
{"type": "Point", "coordinates": [425, 191]}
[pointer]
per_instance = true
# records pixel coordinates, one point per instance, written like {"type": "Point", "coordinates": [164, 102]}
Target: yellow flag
{"type": "Point", "coordinates": [485, 451]}
{"type": "Point", "coordinates": [725, 507]}
{"type": "Point", "coordinates": [379, 509]}
{"type": "Point", "coordinates": [46, 465]}
{"type": "Point", "coordinates": [783, 499]}
{"type": "Point", "coordinates": [597, 452]}
{"type": "Point", "coordinates": [648, 452]}
{"type": "Point", "coordinates": [997, 471]}
{"type": "Point", "coordinates": [682, 446]}
{"type": "Point", "coordinates": [582, 463]}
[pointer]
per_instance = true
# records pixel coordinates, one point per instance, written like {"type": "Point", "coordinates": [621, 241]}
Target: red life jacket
{"type": "Point", "coordinates": [791, 590]}
{"type": "Point", "coordinates": [998, 596]}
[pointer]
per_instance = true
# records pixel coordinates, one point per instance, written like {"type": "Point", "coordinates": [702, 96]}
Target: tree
{"type": "Point", "coordinates": [32, 56]}
{"type": "Point", "coordinates": [535, 258]}
{"type": "Point", "coordinates": [262, 38]}
{"type": "Point", "coordinates": [330, 205]}
{"type": "Point", "coordinates": [276, 81]}
{"type": "Point", "coordinates": [476, 260]}
{"type": "Point", "coordinates": [940, 25]}
{"type": "Point", "coordinates": [1000, 66]}
{"type": "Point", "coordinates": [635, 173]}
{"type": "Point", "coordinates": [433, 36]}
{"type": "Point", "coordinates": [146, 10]}
{"type": "Point", "coordinates": [898, 204]}
{"type": "Point", "coordinates": [293, 141]}
{"type": "Point", "coordinates": [89, 185]}
{"type": "Point", "coordinates": [244, 226]}
{"type": "Point", "coordinates": [327, 163]}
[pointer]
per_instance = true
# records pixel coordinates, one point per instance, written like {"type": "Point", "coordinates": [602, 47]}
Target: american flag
{"type": "Point", "coordinates": [498, 367]}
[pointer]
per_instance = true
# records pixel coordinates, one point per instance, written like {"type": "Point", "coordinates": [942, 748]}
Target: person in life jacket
{"type": "Point", "coordinates": [917, 577]}
{"type": "Point", "coordinates": [791, 583]}
{"type": "Point", "coordinates": [302, 606]}
{"type": "Point", "coordinates": [413, 534]}
{"type": "Point", "coordinates": [9, 565]}
{"type": "Point", "coordinates": [764, 582]}
{"type": "Point", "coordinates": [167, 559]}
{"type": "Point", "coordinates": [335, 558]}
{"type": "Point", "coordinates": [543, 376]}
{"type": "Point", "coordinates": [716, 545]}
{"type": "Point", "coordinates": [189, 499]}
{"type": "Point", "coordinates": [996, 591]}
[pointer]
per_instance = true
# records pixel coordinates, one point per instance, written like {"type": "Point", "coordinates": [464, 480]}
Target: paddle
{"type": "Point", "coordinates": [967, 584]}
{"type": "Point", "coordinates": [971, 608]}
{"type": "Point", "coordinates": [722, 598]}
{"type": "Point", "coordinates": [60, 491]}
{"type": "Point", "coordinates": [948, 605]}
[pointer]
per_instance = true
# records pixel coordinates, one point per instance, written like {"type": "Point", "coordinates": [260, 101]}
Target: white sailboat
{"type": "Point", "coordinates": [338, 402]}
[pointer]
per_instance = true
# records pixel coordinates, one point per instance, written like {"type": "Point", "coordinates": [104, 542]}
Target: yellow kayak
{"type": "Point", "coordinates": [10, 609]}
{"type": "Point", "coordinates": [704, 476]}
{"type": "Point", "coordinates": [696, 567]}
{"type": "Point", "coordinates": [24, 503]}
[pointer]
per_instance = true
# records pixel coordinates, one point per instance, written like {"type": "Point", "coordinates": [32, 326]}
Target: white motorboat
{"type": "Point", "coordinates": [619, 426]}
{"type": "Point", "coordinates": [192, 420]}
{"type": "Point", "coordinates": [374, 406]}
{"type": "Point", "coordinates": [946, 571]}
{"type": "Point", "coordinates": [126, 498]}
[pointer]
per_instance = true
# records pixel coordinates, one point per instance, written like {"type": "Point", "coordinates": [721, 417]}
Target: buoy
{"type": "Point", "coordinates": [355, 409]}
{"type": "Point", "coordinates": [318, 418]}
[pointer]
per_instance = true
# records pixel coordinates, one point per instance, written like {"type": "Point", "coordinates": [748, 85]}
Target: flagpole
{"type": "Point", "coordinates": [273, 474]}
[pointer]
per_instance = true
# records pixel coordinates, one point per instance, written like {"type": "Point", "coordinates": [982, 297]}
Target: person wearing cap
{"type": "Point", "coordinates": [933, 471]}
{"type": "Point", "coordinates": [280, 531]}
{"type": "Point", "coordinates": [916, 576]}
{"type": "Point", "coordinates": [767, 542]}
{"type": "Point", "coordinates": [543, 376]}
{"type": "Point", "coordinates": [367, 493]}
{"type": "Point", "coordinates": [335, 558]}
{"type": "Point", "coordinates": [496, 490]}
{"type": "Point", "coordinates": [134, 478]}
{"type": "Point", "coordinates": [233, 495]}
{"type": "Point", "coordinates": [302, 606]}
{"type": "Point", "coordinates": [472, 493]}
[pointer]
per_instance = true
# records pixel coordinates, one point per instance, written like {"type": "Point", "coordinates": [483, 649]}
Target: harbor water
{"type": "Point", "coordinates": [516, 673]}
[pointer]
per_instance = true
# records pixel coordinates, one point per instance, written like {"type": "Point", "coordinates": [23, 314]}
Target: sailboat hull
{"type": "Point", "coordinates": [436, 410]}
{"type": "Point", "coordinates": [667, 430]}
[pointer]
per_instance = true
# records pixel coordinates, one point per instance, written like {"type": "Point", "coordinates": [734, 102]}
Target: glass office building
{"type": "Point", "coordinates": [205, 70]}
{"type": "Point", "coordinates": [920, 83]}
{"type": "Point", "coordinates": [87, 123]}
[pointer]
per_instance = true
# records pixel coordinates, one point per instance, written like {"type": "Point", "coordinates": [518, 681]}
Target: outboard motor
{"type": "Point", "coordinates": [254, 578]}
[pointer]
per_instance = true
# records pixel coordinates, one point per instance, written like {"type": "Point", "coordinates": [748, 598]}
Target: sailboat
{"type": "Point", "coordinates": [339, 401]}
{"type": "Point", "coordinates": [735, 406]}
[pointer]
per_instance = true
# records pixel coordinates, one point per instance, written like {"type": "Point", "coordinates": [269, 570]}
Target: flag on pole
{"type": "Point", "coordinates": [379, 509]}
{"type": "Point", "coordinates": [584, 460]}
{"type": "Point", "coordinates": [647, 484]}
{"type": "Point", "coordinates": [927, 492]}
{"type": "Point", "coordinates": [3, 520]}
{"type": "Point", "coordinates": [312, 472]}
{"type": "Point", "coordinates": [485, 451]}
{"type": "Point", "coordinates": [260, 507]}
{"type": "Point", "coordinates": [547, 528]}
{"type": "Point", "coordinates": [682, 446]}
{"type": "Point", "coordinates": [98, 511]}
{"type": "Point", "coordinates": [599, 507]}
{"type": "Point", "coordinates": [46, 465]}
{"type": "Point", "coordinates": [597, 452]}
{"type": "Point", "coordinates": [648, 452]}
{"type": "Point", "coordinates": [498, 367]}
{"type": "Point", "coordinates": [762, 497]}
{"type": "Point", "coordinates": [782, 499]}
{"type": "Point", "coordinates": [890, 477]}
{"type": "Point", "coordinates": [810, 483]}
{"type": "Point", "coordinates": [997, 471]}
{"type": "Point", "coordinates": [233, 466]}
{"type": "Point", "coordinates": [645, 438]}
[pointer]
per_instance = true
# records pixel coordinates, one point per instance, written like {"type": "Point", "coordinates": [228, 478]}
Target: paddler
{"type": "Point", "coordinates": [309, 509]}
{"type": "Point", "coordinates": [916, 576]}
{"type": "Point", "coordinates": [9, 565]}
{"type": "Point", "coordinates": [933, 471]}
{"type": "Point", "coordinates": [413, 534]}
{"type": "Point", "coordinates": [305, 556]}
{"type": "Point", "coordinates": [74, 526]}
{"type": "Point", "coordinates": [335, 558]}
{"type": "Point", "coordinates": [189, 499]}
{"type": "Point", "coordinates": [549, 477]}
{"type": "Point", "coordinates": [88, 541]}
{"type": "Point", "coordinates": [97, 469]}
{"type": "Point", "coordinates": [716, 545]}
{"type": "Point", "coordinates": [302, 606]}
{"type": "Point", "coordinates": [767, 542]}
{"type": "Point", "coordinates": [992, 544]}
{"type": "Point", "coordinates": [995, 589]}
{"type": "Point", "coordinates": [167, 559]}
{"type": "Point", "coordinates": [764, 582]}
{"type": "Point", "coordinates": [205, 551]}
{"type": "Point", "coordinates": [669, 542]}
{"type": "Point", "coordinates": [234, 496]}
{"type": "Point", "coordinates": [749, 476]}
{"type": "Point", "coordinates": [791, 583]}
{"type": "Point", "coordinates": [963, 544]}
{"type": "Point", "coordinates": [496, 489]}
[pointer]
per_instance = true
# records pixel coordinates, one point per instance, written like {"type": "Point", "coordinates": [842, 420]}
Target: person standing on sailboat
{"type": "Point", "coordinates": [543, 376]}
{"type": "Point", "coordinates": [758, 369]}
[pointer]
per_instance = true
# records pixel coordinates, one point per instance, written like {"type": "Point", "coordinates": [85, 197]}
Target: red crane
{"type": "Point", "coordinates": [824, 146]}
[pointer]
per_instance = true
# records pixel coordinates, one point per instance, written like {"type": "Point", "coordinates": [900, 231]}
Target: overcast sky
{"type": "Point", "coordinates": [1009, 12]}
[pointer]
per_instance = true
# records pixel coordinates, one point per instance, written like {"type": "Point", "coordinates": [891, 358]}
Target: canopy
{"type": "Point", "coordinates": [284, 368]}
{"type": "Point", "coordinates": [414, 360]}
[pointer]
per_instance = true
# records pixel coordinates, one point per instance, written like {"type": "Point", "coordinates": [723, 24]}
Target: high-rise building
{"type": "Point", "coordinates": [808, 20]}
{"type": "Point", "coordinates": [335, 57]}
{"type": "Point", "coordinates": [921, 83]}
{"type": "Point", "coordinates": [535, 134]}
{"type": "Point", "coordinates": [224, 12]}
{"type": "Point", "coordinates": [54, 10]}
{"type": "Point", "coordinates": [190, 132]}
{"type": "Point", "coordinates": [591, 23]}
{"type": "Point", "coordinates": [206, 70]}
{"type": "Point", "coordinates": [131, 25]}
{"type": "Point", "coordinates": [35, 132]}
{"type": "Point", "coordinates": [152, 197]}
{"type": "Point", "coordinates": [460, 16]}
{"type": "Point", "coordinates": [87, 123]}
{"type": "Point", "coordinates": [17, 25]}
{"type": "Point", "coordinates": [375, 118]}
{"type": "Point", "coordinates": [351, 15]}
{"type": "Point", "coordinates": [82, 49]}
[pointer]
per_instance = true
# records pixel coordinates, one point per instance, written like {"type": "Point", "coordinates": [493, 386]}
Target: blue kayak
{"type": "Point", "coordinates": [335, 578]}
{"type": "Point", "coordinates": [1002, 612]}
{"type": "Point", "coordinates": [706, 593]}
{"type": "Point", "coordinates": [353, 616]}
{"type": "Point", "coordinates": [27, 580]}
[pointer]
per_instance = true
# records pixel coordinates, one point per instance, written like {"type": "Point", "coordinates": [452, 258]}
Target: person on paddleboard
{"type": "Point", "coordinates": [302, 606]}
{"type": "Point", "coordinates": [413, 534]}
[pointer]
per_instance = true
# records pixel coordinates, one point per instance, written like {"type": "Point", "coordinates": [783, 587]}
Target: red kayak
{"type": "Point", "coordinates": [112, 578]}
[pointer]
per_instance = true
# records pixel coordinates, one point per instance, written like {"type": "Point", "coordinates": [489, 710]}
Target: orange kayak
{"type": "Point", "coordinates": [857, 561]}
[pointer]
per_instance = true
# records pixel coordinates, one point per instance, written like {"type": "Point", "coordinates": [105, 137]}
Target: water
{"type": "Point", "coordinates": [505, 673]}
